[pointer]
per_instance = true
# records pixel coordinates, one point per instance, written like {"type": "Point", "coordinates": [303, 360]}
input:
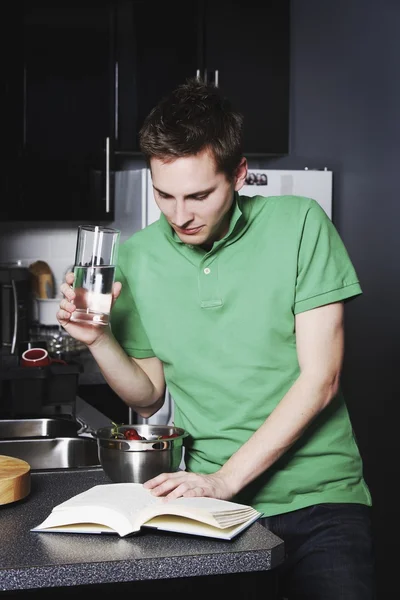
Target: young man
{"type": "Point", "coordinates": [237, 304]}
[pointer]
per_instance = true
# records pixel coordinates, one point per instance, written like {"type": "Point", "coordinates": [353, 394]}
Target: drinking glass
{"type": "Point", "coordinates": [94, 269]}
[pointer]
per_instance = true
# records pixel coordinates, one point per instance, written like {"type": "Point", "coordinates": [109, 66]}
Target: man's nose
{"type": "Point", "coordinates": [182, 216]}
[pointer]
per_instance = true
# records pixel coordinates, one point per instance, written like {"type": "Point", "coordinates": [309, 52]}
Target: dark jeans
{"type": "Point", "coordinates": [329, 553]}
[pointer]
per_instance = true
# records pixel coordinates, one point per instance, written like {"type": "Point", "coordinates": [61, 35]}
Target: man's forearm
{"type": "Point", "coordinates": [125, 377]}
{"type": "Point", "coordinates": [285, 425]}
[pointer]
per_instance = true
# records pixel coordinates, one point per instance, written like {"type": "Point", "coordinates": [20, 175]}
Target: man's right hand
{"type": "Point", "coordinates": [83, 332]}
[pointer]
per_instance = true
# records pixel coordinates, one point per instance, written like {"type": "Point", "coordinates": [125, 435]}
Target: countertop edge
{"type": "Point", "coordinates": [70, 575]}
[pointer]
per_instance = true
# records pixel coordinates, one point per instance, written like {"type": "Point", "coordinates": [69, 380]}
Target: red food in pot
{"type": "Point", "coordinates": [132, 434]}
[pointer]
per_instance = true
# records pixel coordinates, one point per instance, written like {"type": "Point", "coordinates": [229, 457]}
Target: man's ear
{"type": "Point", "coordinates": [241, 174]}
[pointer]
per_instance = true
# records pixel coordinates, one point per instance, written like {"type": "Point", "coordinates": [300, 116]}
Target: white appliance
{"type": "Point", "coordinates": [136, 208]}
{"type": "Point", "coordinates": [316, 184]}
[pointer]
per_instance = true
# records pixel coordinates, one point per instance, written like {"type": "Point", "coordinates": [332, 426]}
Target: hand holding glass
{"type": "Point", "coordinates": [94, 270]}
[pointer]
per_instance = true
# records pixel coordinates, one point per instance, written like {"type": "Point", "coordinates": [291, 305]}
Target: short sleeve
{"type": "Point", "coordinates": [325, 272]}
{"type": "Point", "coordinates": [126, 324]}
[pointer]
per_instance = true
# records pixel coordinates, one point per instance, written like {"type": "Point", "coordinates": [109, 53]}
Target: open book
{"type": "Point", "coordinates": [124, 508]}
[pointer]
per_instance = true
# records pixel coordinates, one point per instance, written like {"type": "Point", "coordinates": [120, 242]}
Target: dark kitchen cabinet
{"type": "Point", "coordinates": [157, 48]}
{"type": "Point", "coordinates": [246, 52]}
{"type": "Point", "coordinates": [244, 49]}
{"type": "Point", "coordinates": [85, 73]}
{"type": "Point", "coordinates": [89, 74]}
{"type": "Point", "coordinates": [11, 116]}
{"type": "Point", "coordinates": [67, 89]}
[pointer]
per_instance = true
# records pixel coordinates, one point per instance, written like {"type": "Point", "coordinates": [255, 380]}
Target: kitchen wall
{"type": "Point", "coordinates": [345, 99]}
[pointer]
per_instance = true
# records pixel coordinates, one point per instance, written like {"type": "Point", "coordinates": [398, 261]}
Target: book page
{"type": "Point", "coordinates": [78, 528]}
{"type": "Point", "coordinates": [86, 519]}
{"type": "Point", "coordinates": [114, 506]}
{"type": "Point", "coordinates": [183, 525]}
{"type": "Point", "coordinates": [125, 507]}
{"type": "Point", "coordinates": [185, 509]}
{"type": "Point", "coordinates": [130, 499]}
{"type": "Point", "coordinates": [126, 498]}
{"type": "Point", "coordinates": [215, 512]}
{"type": "Point", "coordinates": [212, 505]}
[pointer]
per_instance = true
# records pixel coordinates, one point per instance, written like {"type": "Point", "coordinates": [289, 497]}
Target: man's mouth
{"type": "Point", "coordinates": [189, 230]}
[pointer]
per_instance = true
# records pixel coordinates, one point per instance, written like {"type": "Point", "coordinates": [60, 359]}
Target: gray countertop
{"type": "Point", "coordinates": [32, 560]}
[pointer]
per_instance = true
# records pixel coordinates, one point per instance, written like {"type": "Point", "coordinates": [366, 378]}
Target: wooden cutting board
{"type": "Point", "coordinates": [15, 479]}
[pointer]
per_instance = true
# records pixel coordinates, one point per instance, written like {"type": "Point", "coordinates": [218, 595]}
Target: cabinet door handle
{"type": "Point", "coordinates": [15, 332]}
{"type": "Point", "coordinates": [205, 75]}
{"type": "Point", "coordinates": [107, 175]}
{"type": "Point", "coordinates": [216, 76]}
{"type": "Point", "coordinates": [24, 107]}
{"type": "Point", "coordinates": [116, 84]}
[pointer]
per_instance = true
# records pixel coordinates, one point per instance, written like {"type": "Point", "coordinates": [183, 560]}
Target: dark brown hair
{"type": "Point", "coordinates": [193, 118]}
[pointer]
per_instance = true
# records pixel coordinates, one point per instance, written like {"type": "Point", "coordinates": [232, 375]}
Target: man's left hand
{"type": "Point", "coordinates": [188, 485]}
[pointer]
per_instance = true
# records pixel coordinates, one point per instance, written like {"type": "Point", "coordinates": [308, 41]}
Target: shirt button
{"type": "Point", "coordinates": [207, 271]}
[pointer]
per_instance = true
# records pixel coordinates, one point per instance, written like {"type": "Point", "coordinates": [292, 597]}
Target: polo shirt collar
{"type": "Point", "coordinates": [236, 225]}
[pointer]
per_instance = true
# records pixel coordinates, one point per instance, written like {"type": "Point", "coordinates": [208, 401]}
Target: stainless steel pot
{"type": "Point", "coordinates": [139, 460]}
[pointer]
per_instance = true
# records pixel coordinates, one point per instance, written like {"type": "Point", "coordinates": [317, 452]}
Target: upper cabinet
{"type": "Point", "coordinates": [246, 52]}
{"type": "Point", "coordinates": [243, 48]}
{"type": "Point", "coordinates": [58, 93]}
{"type": "Point", "coordinates": [85, 74]}
{"type": "Point", "coordinates": [157, 48]}
{"type": "Point", "coordinates": [11, 120]}
{"type": "Point", "coordinates": [67, 112]}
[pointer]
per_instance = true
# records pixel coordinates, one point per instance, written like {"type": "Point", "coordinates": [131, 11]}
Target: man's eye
{"type": "Point", "coordinates": [200, 197]}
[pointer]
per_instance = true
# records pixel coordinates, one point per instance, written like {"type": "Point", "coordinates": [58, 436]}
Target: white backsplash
{"type": "Point", "coordinates": [28, 242]}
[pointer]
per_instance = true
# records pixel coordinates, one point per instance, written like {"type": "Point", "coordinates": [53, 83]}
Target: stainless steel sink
{"type": "Point", "coordinates": [48, 443]}
{"type": "Point", "coordinates": [38, 428]}
{"type": "Point", "coordinates": [53, 453]}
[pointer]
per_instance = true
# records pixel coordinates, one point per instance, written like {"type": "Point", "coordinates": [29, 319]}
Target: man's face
{"type": "Point", "coordinates": [194, 198]}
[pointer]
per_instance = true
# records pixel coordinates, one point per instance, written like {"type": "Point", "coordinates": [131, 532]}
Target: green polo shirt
{"type": "Point", "coordinates": [222, 323]}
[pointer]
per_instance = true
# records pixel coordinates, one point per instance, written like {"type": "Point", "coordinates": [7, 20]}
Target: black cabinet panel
{"type": "Point", "coordinates": [85, 73]}
{"type": "Point", "coordinates": [157, 49]}
{"type": "Point", "coordinates": [247, 52]}
{"type": "Point", "coordinates": [68, 67]}
{"type": "Point", "coordinates": [243, 48]}
{"type": "Point", "coordinates": [11, 114]}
